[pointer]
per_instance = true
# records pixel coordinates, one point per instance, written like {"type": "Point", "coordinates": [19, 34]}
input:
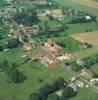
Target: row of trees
{"type": "Point", "coordinates": [83, 20]}
{"type": "Point", "coordinates": [48, 91]}
{"type": "Point", "coordinates": [12, 72]}
{"type": "Point", "coordinates": [52, 29]}
{"type": "Point", "coordinates": [69, 44]}
{"type": "Point", "coordinates": [13, 43]}
{"type": "Point", "coordinates": [28, 17]}
{"type": "Point", "coordinates": [87, 63]}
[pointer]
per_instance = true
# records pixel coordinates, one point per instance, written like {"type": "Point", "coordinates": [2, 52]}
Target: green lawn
{"type": "Point", "coordinates": [33, 72]}
{"type": "Point", "coordinates": [85, 53]}
{"type": "Point", "coordinates": [78, 28]}
{"type": "Point", "coordinates": [86, 94]}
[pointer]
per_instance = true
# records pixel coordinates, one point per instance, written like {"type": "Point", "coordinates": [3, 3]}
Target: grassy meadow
{"type": "Point", "coordinates": [33, 71]}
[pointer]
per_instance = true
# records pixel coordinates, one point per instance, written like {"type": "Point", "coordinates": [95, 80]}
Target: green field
{"type": "Point", "coordinates": [33, 71]}
{"type": "Point", "coordinates": [2, 3]}
{"type": "Point", "coordinates": [74, 5]}
{"type": "Point", "coordinates": [85, 53]}
{"type": "Point", "coordinates": [86, 94]}
{"type": "Point", "coordinates": [78, 28]}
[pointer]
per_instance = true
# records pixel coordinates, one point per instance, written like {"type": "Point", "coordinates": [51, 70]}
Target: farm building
{"type": "Point", "coordinates": [57, 13]}
{"type": "Point", "coordinates": [73, 85]}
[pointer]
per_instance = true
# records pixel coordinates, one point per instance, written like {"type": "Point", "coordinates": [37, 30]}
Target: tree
{"type": "Point", "coordinates": [46, 29]}
{"type": "Point", "coordinates": [1, 48]}
{"type": "Point", "coordinates": [14, 65]}
{"type": "Point", "coordinates": [68, 93]}
{"type": "Point", "coordinates": [88, 45]}
{"type": "Point", "coordinates": [13, 43]}
{"type": "Point", "coordinates": [58, 84]}
{"type": "Point", "coordinates": [5, 65]}
{"type": "Point", "coordinates": [28, 17]}
{"type": "Point", "coordinates": [53, 97]}
{"type": "Point", "coordinates": [69, 43]}
{"type": "Point", "coordinates": [95, 75]}
{"type": "Point", "coordinates": [44, 91]}
{"type": "Point", "coordinates": [76, 67]}
{"type": "Point", "coordinates": [51, 17]}
{"type": "Point", "coordinates": [25, 38]}
{"type": "Point", "coordinates": [34, 96]}
{"type": "Point", "coordinates": [64, 27]}
{"type": "Point", "coordinates": [1, 37]}
{"type": "Point", "coordinates": [15, 75]}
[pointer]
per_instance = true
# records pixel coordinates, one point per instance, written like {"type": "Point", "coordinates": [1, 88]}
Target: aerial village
{"type": "Point", "coordinates": [46, 40]}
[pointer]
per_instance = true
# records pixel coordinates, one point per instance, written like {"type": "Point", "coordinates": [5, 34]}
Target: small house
{"type": "Point", "coordinates": [73, 85]}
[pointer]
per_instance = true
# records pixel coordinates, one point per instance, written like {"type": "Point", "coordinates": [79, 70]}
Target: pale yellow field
{"type": "Point", "coordinates": [91, 3]}
{"type": "Point", "coordinates": [89, 37]}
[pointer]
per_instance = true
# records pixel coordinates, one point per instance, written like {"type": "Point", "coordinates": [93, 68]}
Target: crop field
{"type": "Point", "coordinates": [89, 37]}
{"type": "Point", "coordinates": [91, 3]}
{"type": "Point", "coordinates": [79, 6]}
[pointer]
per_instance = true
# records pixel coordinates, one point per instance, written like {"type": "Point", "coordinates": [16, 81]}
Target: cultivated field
{"type": "Point", "coordinates": [76, 5]}
{"type": "Point", "coordinates": [89, 37]}
{"type": "Point", "coordinates": [91, 3]}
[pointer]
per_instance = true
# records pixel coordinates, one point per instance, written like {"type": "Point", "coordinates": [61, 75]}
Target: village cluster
{"type": "Point", "coordinates": [47, 51]}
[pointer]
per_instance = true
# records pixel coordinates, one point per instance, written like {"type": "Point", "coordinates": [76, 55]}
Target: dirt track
{"type": "Point", "coordinates": [91, 3]}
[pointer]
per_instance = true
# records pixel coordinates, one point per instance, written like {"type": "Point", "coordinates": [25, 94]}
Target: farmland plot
{"type": "Point", "coordinates": [89, 37]}
{"type": "Point", "coordinates": [91, 3]}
